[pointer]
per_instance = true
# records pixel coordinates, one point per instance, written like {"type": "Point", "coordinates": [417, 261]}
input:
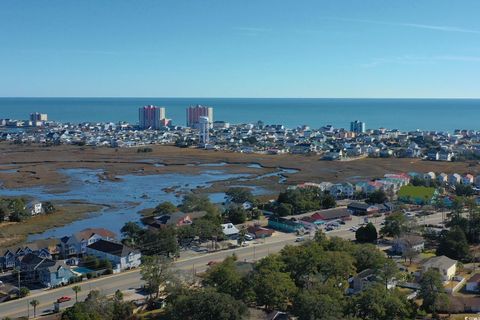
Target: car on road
{"type": "Point", "coordinates": [63, 299]}
{"type": "Point", "coordinates": [300, 239]}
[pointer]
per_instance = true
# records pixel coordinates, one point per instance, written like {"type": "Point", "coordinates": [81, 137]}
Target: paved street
{"type": "Point", "coordinates": [197, 263]}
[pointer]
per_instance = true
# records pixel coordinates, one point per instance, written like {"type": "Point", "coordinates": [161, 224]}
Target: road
{"type": "Point", "coordinates": [198, 263]}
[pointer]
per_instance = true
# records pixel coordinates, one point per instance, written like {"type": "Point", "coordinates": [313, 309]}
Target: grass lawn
{"type": "Point", "coordinates": [416, 193]}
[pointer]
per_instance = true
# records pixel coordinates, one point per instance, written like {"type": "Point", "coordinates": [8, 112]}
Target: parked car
{"type": "Point", "coordinates": [63, 299]}
{"type": "Point", "coordinates": [300, 239]}
{"type": "Point", "coordinates": [211, 263]}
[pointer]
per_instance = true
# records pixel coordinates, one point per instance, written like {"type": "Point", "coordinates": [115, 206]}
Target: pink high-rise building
{"type": "Point", "coordinates": [151, 117]}
{"type": "Point", "coordinates": [195, 112]}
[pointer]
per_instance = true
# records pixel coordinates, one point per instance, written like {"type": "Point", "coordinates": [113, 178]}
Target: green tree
{"type": "Point", "coordinates": [367, 233]}
{"type": "Point", "coordinates": [18, 210]}
{"type": "Point", "coordinates": [206, 305]}
{"type": "Point", "coordinates": [76, 289]}
{"type": "Point", "coordinates": [132, 233]}
{"type": "Point", "coordinates": [155, 271]}
{"type": "Point", "coordinates": [395, 225]}
{"type": "Point", "coordinates": [49, 207]}
{"type": "Point", "coordinates": [34, 303]}
{"type": "Point", "coordinates": [225, 278]}
{"type": "Point", "coordinates": [274, 290]}
{"type": "Point", "coordinates": [324, 302]}
{"type": "Point", "coordinates": [431, 291]}
{"type": "Point", "coordinates": [165, 208]}
{"type": "Point", "coordinates": [23, 292]}
{"type": "Point", "coordinates": [367, 256]}
{"type": "Point", "coordinates": [236, 214]}
{"type": "Point", "coordinates": [376, 197]}
{"type": "Point", "coordinates": [454, 245]}
{"type": "Point", "coordinates": [240, 195]}
{"type": "Point", "coordinates": [328, 202]}
{"type": "Point", "coordinates": [161, 242]}
{"type": "Point", "coordinates": [378, 303]}
{"type": "Point", "coordinates": [193, 202]}
{"type": "Point", "coordinates": [284, 209]}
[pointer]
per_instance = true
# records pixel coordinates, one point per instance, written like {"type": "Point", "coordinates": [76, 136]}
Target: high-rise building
{"type": "Point", "coordinates": [38, 119]}
{"type": "Point", "coordinates": [38, 116]}
{"type": "Point", "coordinates": [203, 126]}
{"type": "Point", "coordinates": [151, 117]}
{"type": "Point", "coordinates": [357, 126]}
{"type": "Point", "coordinates": [195, 112]}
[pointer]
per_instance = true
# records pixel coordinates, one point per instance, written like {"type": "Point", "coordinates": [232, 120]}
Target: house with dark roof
{"type": "Point", "coordinates": [45, 271]}
{"type": "Point", "coordinates": [121, 256]}
{"type": "Point", "coordinates": [362, 208]}
{"type": "Point", "coordinates": [77, 243]}
{"type": "Point", "coordinates": [176, 219]}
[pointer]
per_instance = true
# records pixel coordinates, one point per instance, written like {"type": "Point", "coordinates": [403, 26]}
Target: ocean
{"type": "Point", "coordinates": [402, 114]}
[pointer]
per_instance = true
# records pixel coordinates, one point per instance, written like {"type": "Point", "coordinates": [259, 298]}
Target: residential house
{"type": "Point", "coordinates": [121, 256]}
{"type": "Point", "coordinates": [454, 179]}
{"type": "Point", "coordinates": [56, 275]}
{"type": "Point", "coordinates": [176, 219]}
{"type": "Point", "coordinates": [429, 176]}
{"type": "Point", "coordinates": [366, 278]}
{"type": "Point", "coordinates": [8, 259]}
{"type": "Point", "coordinates": [408, 242]}
{"type": "Point", "coordinates": [477, 181]}
{"type": "Point", "coordinates": [259, 232]}
{"type": "Point", "coordinates": [444, 265]}
{"type": "Point", "coordinates": [229, 230]}
{"type": "Point", "coordinates": [444, 155]}
{"type": "Point", "coordinates": [34, 208]}
{"type": "Point", "coordinates": [467, 179]}
{"type": "Point", "coordinates": [442, 178]}
{"type": "Point", "coordinates": [473, 284]}
{"type": "Point", "coordinates": [78, 242]}
{"type": "Point", "coordinates": [362, 208]}
{"type": "Point", "coordinates": [45, 271]}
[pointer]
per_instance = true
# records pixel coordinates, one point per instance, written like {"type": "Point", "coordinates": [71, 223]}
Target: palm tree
{"type": "Point", "coordinates": [76, 289]}
{"type": "Point", "coordinates": [34, 303]}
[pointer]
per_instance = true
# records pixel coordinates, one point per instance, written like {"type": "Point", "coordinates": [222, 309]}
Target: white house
{"type": "Point", "coordinates": [429, 176]}
{"type": "Point", "coordinates": [78, 242]}
{"type": "Point", "coordinates": [121, 256]}
{"type": "Point", "coordinates": [34, 208]}
{"type": "Point", "coordinates": [229, 229]}
{"type": "Point", "coordinates": [409, 242]}
{"type": "Point", "coordinates": [444, 265]}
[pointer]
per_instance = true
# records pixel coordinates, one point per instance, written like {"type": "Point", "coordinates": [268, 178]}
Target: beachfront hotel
{"type": "Point", "coordinates": [151, 117]}
{"type": "Point", "coordinates": [195, 112]}
{"type": "Point", "coordinates": [357, 126]}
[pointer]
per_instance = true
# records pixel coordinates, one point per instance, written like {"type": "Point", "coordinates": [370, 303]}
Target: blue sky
{"type": "Point", "coordinates": [247, 48]}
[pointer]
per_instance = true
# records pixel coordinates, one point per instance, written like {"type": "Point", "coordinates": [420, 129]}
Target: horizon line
{"type": "Point", "coordinates": [219, 97]}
